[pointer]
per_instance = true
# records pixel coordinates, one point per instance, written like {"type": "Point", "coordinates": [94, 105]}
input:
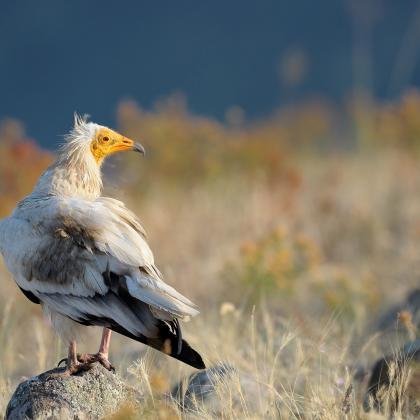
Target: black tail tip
{"type": "Point", "coordinates": [199, 363]}
{"type": "Point", "coordinates": [193, 359]}
{"type": "Point", "coordinates": [190, 356]}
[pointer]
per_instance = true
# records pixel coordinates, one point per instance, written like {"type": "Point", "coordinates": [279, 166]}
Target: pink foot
{"type": "Point", "coordinates": [90, 359]}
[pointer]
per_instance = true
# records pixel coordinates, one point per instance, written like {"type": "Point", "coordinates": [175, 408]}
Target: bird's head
{"type": "Point", "coordinates": [106, 142]}
{"type": "Point", "coordinates": [100, 141]}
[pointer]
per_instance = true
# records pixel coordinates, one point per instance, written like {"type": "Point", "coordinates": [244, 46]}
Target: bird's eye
{"type": "Point", "coordinates": [105, 139]}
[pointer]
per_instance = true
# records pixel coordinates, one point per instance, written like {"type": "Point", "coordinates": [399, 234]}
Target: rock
{"type": "Point", "coordinates": [390, 320]}
{"type": "Point", "coordinates": [222, 390]}
{"type": "Point", "coordinates": [394, 383]}
{"type": "Point", "coordinates": [90, 394]}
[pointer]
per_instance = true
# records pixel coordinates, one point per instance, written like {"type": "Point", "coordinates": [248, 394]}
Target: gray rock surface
{"type": "Point", "coordinates": [389, 319]}
{"type": "Point", "coordinates": [400, 371]}
{"type": "Point", "coordinates": [397, 324]}
{"type": "Point", "coordinates": [88, 395]}
{"type": "Point", "coordinates": [222, 390]}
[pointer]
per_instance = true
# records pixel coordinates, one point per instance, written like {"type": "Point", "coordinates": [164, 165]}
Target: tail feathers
{"type": "Point", "coordinates": [167, 342]}
{"type": "Point", "coordinates": [160, 334]}
{"type": "Point", "coordinates": [187, 354]}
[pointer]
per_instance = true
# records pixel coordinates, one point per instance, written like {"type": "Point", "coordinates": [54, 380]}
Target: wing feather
{"type": "Point", "coordinates": [67, 244]}
{"type": "Point", "coordinates": [90, 262]}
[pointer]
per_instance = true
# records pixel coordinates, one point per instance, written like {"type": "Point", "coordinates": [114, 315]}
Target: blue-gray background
{"type": "Point", "coordinates": [59, 56]}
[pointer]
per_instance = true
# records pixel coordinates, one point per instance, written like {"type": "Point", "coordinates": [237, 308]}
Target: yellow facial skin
{"type": "Point", "coordinates": [107, 141]}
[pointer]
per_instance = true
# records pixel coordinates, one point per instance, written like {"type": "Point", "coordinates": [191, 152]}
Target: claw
{"type": "Point", "coordinates": [104, 362]}
{"type": "Point", "coordinates": [62, 361]}
{"type": "Point", "coordinates": [84, 362]}
{"type": "Point", "coordinates": [90, 359]}
{"type": "Point", "coordinates": [69, 371]}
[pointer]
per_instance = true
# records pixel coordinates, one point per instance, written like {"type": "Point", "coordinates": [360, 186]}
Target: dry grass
{"type": "Point", "coordinates": [334, 249]}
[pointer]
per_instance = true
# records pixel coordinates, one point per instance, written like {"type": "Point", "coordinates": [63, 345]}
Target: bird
{"type": "Point", "coordinates": [85, 259]}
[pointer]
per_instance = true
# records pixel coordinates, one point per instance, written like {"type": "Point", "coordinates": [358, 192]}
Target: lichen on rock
{"type": "Point", "coordinates": [91, 394]}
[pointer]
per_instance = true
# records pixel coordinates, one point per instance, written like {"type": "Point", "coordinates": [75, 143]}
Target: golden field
{"type": "Point", "coordinates": [292, 234]}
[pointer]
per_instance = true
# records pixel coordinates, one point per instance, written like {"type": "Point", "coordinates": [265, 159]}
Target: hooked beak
{"type": "Point", "coordinates": [137, 147]}
{"type": "Point", "coordinates": [125, 144]}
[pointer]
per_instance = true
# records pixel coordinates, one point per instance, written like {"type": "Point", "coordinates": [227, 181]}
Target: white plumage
{"type": "Point", "coordinates": [85, 258]}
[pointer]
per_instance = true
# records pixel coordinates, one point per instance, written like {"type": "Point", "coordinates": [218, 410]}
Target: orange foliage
{"type": "Point", "coordinates": [22, 161]}
{"type": "Point", "coordinates": [183, 149]}
{"type": "Point", "coordinates": [398, 124]}
{"type": "Point", "coordinates": [187, 148]}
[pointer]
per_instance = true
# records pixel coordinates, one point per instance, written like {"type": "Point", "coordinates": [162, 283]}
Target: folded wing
{"type": "Point", "coordinates": [90, 262]}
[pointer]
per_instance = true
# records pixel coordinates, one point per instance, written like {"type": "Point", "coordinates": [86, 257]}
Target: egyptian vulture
{"type": "Point", "coordinates": [85, 259]}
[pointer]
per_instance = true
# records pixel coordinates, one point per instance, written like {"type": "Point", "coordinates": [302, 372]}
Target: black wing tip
{"type": "Point", "coordinates": [190, 356]}
{"type": "Point", "coordinates": [195, 360]}
{"type": "Point", "coordinates": [200, 364]}
{"type": "Point", "coordinates": [29, 295]}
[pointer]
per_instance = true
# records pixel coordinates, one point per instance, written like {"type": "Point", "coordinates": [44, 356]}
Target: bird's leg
{"type": "Point", "coordinates": [72, 355]}
{"type": "Point", "coordinates": [105, 342]}
{"type": "Point", "coordinates": [73, 365]}
{"type": "Point", "coordinates": [103, 353]}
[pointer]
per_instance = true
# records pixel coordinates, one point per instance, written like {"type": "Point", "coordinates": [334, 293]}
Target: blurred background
{"type": "Point", "coordinates": [280, 188]}
{"type": "Point", "coordinates": [241, 56]}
